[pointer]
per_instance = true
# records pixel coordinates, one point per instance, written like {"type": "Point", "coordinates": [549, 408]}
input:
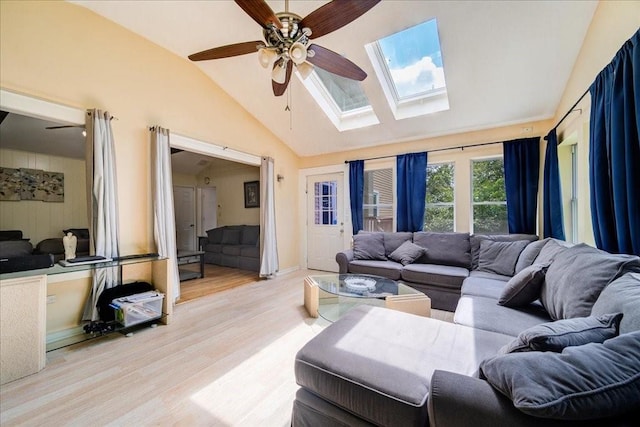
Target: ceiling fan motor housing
{"type": "Point", "coordinates": [290, 41]}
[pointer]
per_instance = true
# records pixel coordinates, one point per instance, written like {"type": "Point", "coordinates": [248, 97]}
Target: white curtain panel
{"type": "Point", "coordinates": [164, 223]}
{"type": "Point", "coordinates": [269, 260]}
{"type": "Point", "coordinates": [103, 193]}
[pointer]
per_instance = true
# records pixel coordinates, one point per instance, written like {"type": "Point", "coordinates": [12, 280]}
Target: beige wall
{"type": "Point", "coordinates": [67, 54]}
{"type": "Point", "coordinates": [40, 220]}
{"type": "Point", "coordinates": [229, 185]}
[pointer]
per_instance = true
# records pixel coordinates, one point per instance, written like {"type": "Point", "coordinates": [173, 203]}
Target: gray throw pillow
{"type": "Point", "coordinates": [369, 246]}
{"type": "Point", "coordinates": [555, 336]}
{"type": "Point", "coordinates": [407, 253]}
{"type": "Point", "coordinates": [529, 255]}
{"type": "Point", "coordinates": [576, 277]}
{"type": "Point", "coordinates": [622, 295]}
{"type": "Point", "coordinates": [451, 249]}
{"type": "Point", "coordinates": [475, 240]}
{"type": "Point", "coordinates": [590, 381]}
{"type": "Point", "coordinates": [500, 257]}
{"type": "Point", "coordinates": [524, 287]}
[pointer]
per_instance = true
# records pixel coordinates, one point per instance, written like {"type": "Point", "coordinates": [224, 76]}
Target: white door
{"type": "Point", "coordinates": [325, 216]}
{"type": "Point", "coordinates": [208, 210]}
{"type": "Point", "coordinates": [185, 206]}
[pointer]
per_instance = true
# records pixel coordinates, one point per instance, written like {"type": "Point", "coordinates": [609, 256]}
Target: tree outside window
{"type": "Point", "coordinates": [439, 212]}
{"type": "Point", "coordinates": [489, 196]}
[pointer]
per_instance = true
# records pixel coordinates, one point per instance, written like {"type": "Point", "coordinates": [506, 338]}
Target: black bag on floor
{"type": "Point", "coordinates": [106, 312]}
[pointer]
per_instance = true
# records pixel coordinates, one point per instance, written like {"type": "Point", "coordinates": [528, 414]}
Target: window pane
{"type": "Point", "coordinates": [378, 200]}
{"type": "Point", "coordinates": [438, 218]}
{"type": "Point", "coordinates": [325, 203]}
{"type": "Point", "coordinates": [347, 93]}
{"type": "Point", "coordinates": [490, 219]}
{"type": "Point", "coordinates": [488, 181]}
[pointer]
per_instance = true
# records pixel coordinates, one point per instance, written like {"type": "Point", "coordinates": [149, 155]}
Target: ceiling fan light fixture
{"type": "Point", "coordinates": [305, 69]}
{"type": "Point", "coordinates": [279, 73]}
{"type": "Point", "coordinates": [266, 57]}
{"type": "Point", "coordinates": [298, 53]}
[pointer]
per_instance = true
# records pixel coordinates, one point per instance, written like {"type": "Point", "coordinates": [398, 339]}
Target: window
{"type": "Point", "coordinates": [325, 203]}
{"type": "Point", "coordinates": [410, 69]}
{"type": "Point", "coordinates": [342, 100]}
{"type": "Point", "coordinates": [439, 212]}
{"type": "Point", "coordinates": [378, 200]}
{"type": "Point", "coordinates": [489, 198]}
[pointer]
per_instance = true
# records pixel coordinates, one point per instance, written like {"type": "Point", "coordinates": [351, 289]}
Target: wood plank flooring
{"type": "Point", "coordinates": [216, 279]}
{"type": "Point", "coordinates": [226, 360]}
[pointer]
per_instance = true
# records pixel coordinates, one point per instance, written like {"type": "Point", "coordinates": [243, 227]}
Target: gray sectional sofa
{"type": "Point", "coordinates": [439, 270]}
{"type": "Point", "coordinates": [557, 344]}
{"type": "Point", "coordinates": [236, 246]}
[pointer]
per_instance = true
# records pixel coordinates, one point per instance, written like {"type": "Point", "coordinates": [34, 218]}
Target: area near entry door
{"type": "Point", "coordinates": [325, 220]}
{"type": "Point", "coordinates": [185, 211]}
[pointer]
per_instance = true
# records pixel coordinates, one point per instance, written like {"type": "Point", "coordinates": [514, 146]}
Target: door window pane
{"type": "Point", "coordinates": [489, 196]}
{"type": "Point", "coordinates": [378, 200]}
{"type": "Point", "coordinates": [325, 203]}
{"type": "Point", "coordinates": [439, 212]}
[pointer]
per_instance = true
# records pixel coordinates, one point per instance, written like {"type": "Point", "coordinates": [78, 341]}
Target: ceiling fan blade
{"type": "Point", "coordinates": [64, 127]}
{"type": "Point", "coordinates": [280, 89]}
{"type": "Point", "coordinates": [334, 63]}
{"type": "Point", "coordinates": [260, 12]}
{"type": "Point", "coordinates": [334, 15]}
{"type": "Point", "coordinates": [227, 51]}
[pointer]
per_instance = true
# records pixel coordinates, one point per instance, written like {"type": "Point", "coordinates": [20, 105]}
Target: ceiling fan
{"type": "Point", "coordinates": [288, 40]}
{"type": "Point", "coordinates": [84, 132]}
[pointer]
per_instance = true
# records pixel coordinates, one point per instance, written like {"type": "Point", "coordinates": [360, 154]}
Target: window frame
{"type": "Point", "coordinates": [489, 203]}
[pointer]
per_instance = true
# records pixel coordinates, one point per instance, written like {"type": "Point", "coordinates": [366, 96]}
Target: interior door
{"type": "Point", "coordinates": [208, 209]}
{"type": "Point", "coordinates": [185, 207]}
{"type": "Point", "coordinates": [325, 216]}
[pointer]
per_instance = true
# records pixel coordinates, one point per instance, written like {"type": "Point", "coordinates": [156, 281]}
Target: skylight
{"type": "Point", "coordinates": [342, 100]}
{"type": "Point", "coordinates": [410, 69]}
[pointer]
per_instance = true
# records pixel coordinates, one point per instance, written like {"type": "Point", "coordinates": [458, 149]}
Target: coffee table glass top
{"type": "Point", "coordinates": [341, 292]}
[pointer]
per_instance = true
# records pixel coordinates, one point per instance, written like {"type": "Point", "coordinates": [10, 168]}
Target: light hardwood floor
{"type": "Point", "coordinates": [216, 279]}
{"type": "Point", "coordinates": [226, 360]}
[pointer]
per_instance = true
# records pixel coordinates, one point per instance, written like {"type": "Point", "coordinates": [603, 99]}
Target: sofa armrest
{"type": "Point", "coordinates": [202, 241]}
{"type": "Point", "coordinates": [343, 258]}
{"type": "Point", "coordinates": [459, 400]}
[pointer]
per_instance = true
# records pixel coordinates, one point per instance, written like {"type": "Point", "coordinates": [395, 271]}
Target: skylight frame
{"type": "Point", "coordinates": [342, 120]}
{"type": "Point", "coordinates": [418, 104]}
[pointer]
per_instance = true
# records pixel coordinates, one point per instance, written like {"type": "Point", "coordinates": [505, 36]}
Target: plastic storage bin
{"type": "Point", "coordinates": [138, 308]}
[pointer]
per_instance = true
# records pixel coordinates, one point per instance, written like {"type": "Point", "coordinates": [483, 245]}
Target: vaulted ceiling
{"type": "Point", "coordinates": [504, 62]}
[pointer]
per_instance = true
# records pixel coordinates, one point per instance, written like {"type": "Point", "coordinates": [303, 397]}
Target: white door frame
{"type": "Point", "coordinates": [303, 175]}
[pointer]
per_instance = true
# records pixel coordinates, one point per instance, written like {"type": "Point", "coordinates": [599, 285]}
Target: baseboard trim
{"type": "Point", "coordinates": [288, 270]}
{"type": "Point", "coordinates": [64, 334]}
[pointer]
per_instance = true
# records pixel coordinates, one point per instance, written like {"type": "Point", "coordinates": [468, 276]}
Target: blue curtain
{"type": "Point", "coordinates": [552, 191]}
{"type": "Point", "coordinates": [614, 152]}
{"type": "Point", "coordinates": [521, 173]}
{"type": "Point", "coordinates": [411, 190]}
{"type": "Point", "coordinates": [356, 193]}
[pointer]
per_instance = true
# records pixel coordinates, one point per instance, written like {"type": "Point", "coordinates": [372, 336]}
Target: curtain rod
{"type": "Point", "coordinates": [460, 147]}
{"type": "Point", "coordinates": [571, 110]}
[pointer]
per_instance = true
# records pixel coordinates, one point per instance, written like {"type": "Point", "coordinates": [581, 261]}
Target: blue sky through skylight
{"type": "Point", "coordinates": [414, 59]}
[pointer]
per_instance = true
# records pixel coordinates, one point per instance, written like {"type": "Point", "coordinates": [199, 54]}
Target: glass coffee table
{"type": "Point", "coordinates": [332, 295]}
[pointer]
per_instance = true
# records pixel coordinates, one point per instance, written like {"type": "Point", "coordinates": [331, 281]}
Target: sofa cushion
{"type": "Point", "coordinates": [529, 255]}
{"type": "Point", "coordinates": [434, 274]}
{"type": "Point", "coordinates": [215, 248]}
{"type": "Point", "coordinates": [80, 233]}
{"type": "Point", "coordinates": [445, 248]}
{"type": "Point", "coordinates": [215, 235]}
{"type": "Point", "coordinates": [591, 381]}
{"type": "Point", "coordinates": [500, 257]}
{"type": "Point", "coordinates": [576, 277]}
{"type": "Point", "coordinates": [388, 269]}
{"type": "Point", "coordinates": [231, 250]}
{"type": "Point", "coordinates": [250, 251]}
{"type": "Point", "coordinates": [555, 336]}
{"type": "Point", "coordinates": [475, 240]}
{"type": "Point", "coordinates": [482, 287]}
{"type": "Point", "coordinates": [487, 275]}
{"type": "Point", "coordinates": [622, 295]}
{"type": "Point", "coordinates": [10, 235]}
{"type": "Point", "coordinates": [369, 246]}
{"type": "Point", "coordinates": [250, 235]}
{"type": "Point", "coordinates": [550, 249]}
{"type": "Point", "coordinates": [230, 236]}
{"type": "Point", "coordinates": [393, 241]}
{"type": "Point", "coordinates": [524, 287]}
{"type": "Point", "coordinates": [407, 253]}
{"type": "Point", "coordinates": [378, 363]}
{"type": "Point", "coordinates": [484, 313]}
